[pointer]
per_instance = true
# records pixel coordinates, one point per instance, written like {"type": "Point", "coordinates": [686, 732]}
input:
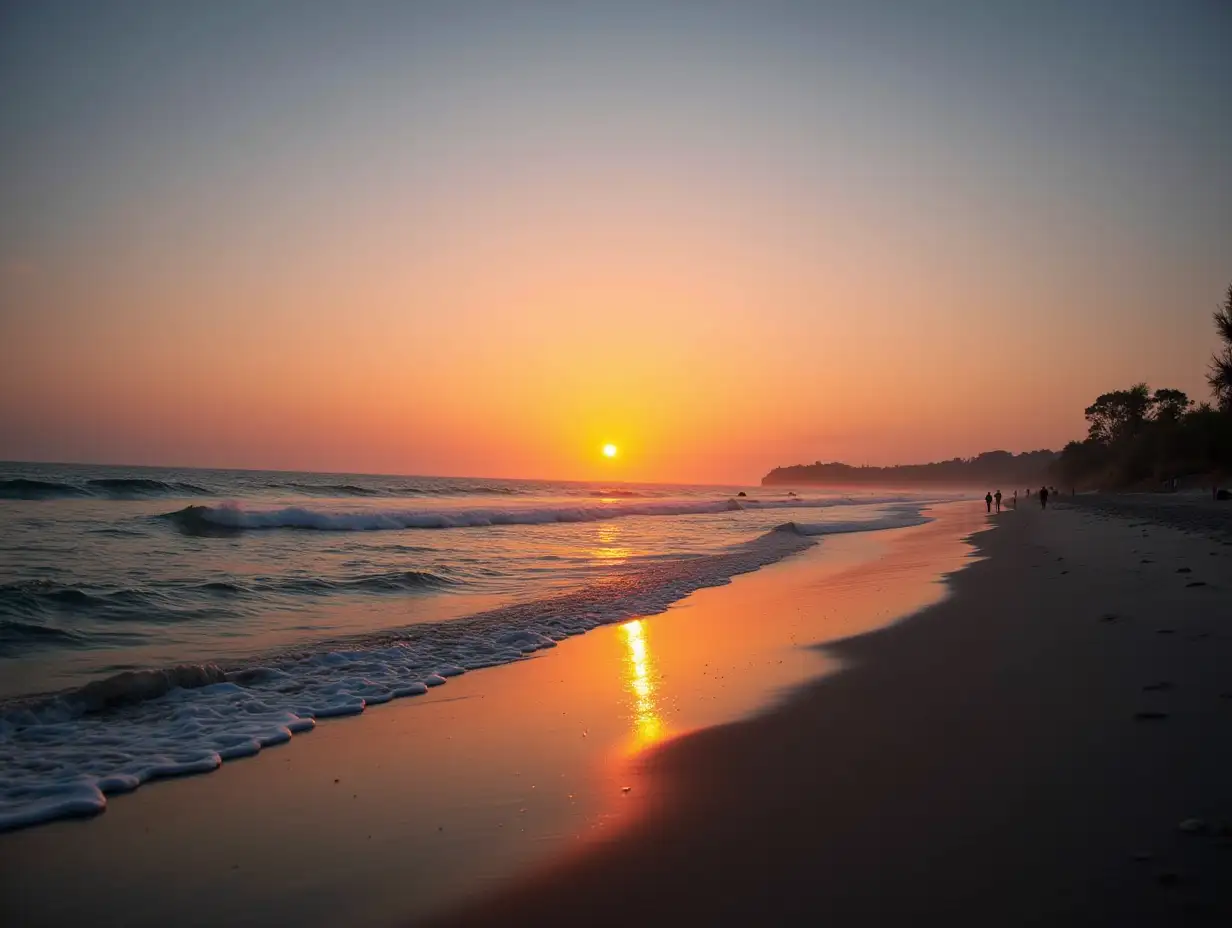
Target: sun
{"type": "Point", "coordinates": [609, 451]}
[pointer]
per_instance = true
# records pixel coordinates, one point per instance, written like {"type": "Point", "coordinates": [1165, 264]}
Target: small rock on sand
{"type": "Point", "coordinates": [1184, 570]}
{"type": "Point", "coordinates": [1195, 583]}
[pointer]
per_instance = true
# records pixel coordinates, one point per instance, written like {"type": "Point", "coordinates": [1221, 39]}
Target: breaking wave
{"type": "Point", "coordinates": [902, 518]}
{"type": "Point", "coordinates": [230, 519]}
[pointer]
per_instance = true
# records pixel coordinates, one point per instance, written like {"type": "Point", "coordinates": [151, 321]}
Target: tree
{"type": "Point", "coordinates": [1170, 405]}
{"type": "Point", "coordinates": [1120, 414]}
{"type": "Point", "coordinates": [1219, 376]}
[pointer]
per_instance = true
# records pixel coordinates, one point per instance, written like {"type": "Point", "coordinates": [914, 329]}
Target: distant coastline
{"type": "Point", "coordinates": [1000, 468]}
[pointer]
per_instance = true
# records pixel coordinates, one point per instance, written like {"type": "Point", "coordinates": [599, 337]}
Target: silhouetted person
{"type": "Point", "coordinates": [988, 501]}
{"type": "Point", "coordinates": [1043, 497]}
{"type": "Point", "coordinates": [1014, 504]}
{"type": "Point", "coordinates": [997, 497]}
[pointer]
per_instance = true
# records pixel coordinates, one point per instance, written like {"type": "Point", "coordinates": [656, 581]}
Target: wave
{"type": "Point", "coordinates": [140, 486]}
{"type": "Point", "coordinates": [427, 489]}
{"type": "Point", "coordinates": [21, 488]}
{"type": "Point", "coordinates": [609, 494]}
{"type": "Point", "coordinates": [112, 487]}
{"type": "Point", "coordinates": [193, 718]}
{"type": "Point", "coordinates": [16, 636]}
{"type": "Point", "coordinates": [232, 519]}
{"type": "Point", "coordinates": [40, 599]}
{"type": "Point", "coordinates": [331, 489]}
{"type": "Point", "coordinates": [33, 604]}
{"type": "Point", "coordinates": [904, 519]}
{"type": "Point", "coordinates": [397, 581]}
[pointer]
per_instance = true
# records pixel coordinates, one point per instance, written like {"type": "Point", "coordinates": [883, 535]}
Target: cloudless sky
{"type": "Point", "coordinates": [487, 238]}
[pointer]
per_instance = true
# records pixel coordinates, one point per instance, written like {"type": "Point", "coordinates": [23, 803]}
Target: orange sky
{"type": "Point", "coordinates": [462, 246]}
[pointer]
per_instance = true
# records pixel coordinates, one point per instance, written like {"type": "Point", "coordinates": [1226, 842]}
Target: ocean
{"type": "Point", "coordinates": [161, 621]}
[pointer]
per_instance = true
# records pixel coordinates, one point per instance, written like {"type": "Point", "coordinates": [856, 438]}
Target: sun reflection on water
{"type": "Point", "coordinates": [648, 725]}
{"type": "Point", "coordinates": [609, 548]}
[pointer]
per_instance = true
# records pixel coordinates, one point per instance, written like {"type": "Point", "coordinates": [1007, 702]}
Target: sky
{"type": "Point", "coordinates": [488, 238]}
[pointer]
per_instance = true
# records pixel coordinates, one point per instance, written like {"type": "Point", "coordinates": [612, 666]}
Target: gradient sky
{"type": "Point", "coordinates": [483, 239]}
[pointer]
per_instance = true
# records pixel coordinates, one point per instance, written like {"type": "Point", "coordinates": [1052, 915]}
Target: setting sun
{"type": "Point", "coordinates": [609, 451]}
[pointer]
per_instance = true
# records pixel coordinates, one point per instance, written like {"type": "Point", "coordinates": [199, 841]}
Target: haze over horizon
{"type": "Point", "coordinates": [486, 239]}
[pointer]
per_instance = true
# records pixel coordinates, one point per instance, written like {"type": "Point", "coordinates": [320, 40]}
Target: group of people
{"type": "Point", "coordinates": [991, 499]}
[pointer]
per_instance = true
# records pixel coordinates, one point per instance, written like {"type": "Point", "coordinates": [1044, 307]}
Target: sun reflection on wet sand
{"type": "Point", "coordinates": [648, 724]}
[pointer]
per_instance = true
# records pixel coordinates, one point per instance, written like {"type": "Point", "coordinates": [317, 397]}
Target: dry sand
{"type": "Point", "coordinates": [1051, 745]}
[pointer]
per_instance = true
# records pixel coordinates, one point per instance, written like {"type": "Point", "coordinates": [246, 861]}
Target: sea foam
{"type": "Point", "coordinates": [234, 518]}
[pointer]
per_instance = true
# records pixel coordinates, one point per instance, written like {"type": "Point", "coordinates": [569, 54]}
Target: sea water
{"type": "Point", "coordinates": [157, 622]}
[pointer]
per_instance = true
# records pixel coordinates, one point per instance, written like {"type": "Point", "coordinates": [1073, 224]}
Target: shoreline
{"type": "Point", "coordinates": [470, 786]}
{"type": "Point", "coordinates": [1047, 745]}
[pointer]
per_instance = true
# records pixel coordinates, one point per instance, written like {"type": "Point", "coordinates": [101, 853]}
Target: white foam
{"type": "Point", "coordinates": [904, 517]}
{"type": "Point", "coordinates": [238, 518]}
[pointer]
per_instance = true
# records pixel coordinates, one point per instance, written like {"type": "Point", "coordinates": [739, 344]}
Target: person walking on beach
{"type": "Point", "coordinates": [1014, 504]}
{"type": "Point", "coordinates": [988, 501]}
{"type": "Point", "coordinates": [1043, 497]}
{"type": "Point", "coordinates": [997, 497]}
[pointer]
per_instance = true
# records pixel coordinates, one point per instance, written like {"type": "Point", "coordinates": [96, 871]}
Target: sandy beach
{"type": "Point", "coordinates": [1050, 745]}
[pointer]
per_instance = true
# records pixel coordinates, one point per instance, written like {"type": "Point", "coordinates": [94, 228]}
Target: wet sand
{"type": "Point", "coordinates": [429, 802]}
{"type": "Point", "coordinates": [1051, 745]}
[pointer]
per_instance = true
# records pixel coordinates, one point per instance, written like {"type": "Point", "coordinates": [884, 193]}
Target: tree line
{"type": "Point", "coordinates": [1139, 437]}
{"type": "Point", "coordinates": [992, 468]}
